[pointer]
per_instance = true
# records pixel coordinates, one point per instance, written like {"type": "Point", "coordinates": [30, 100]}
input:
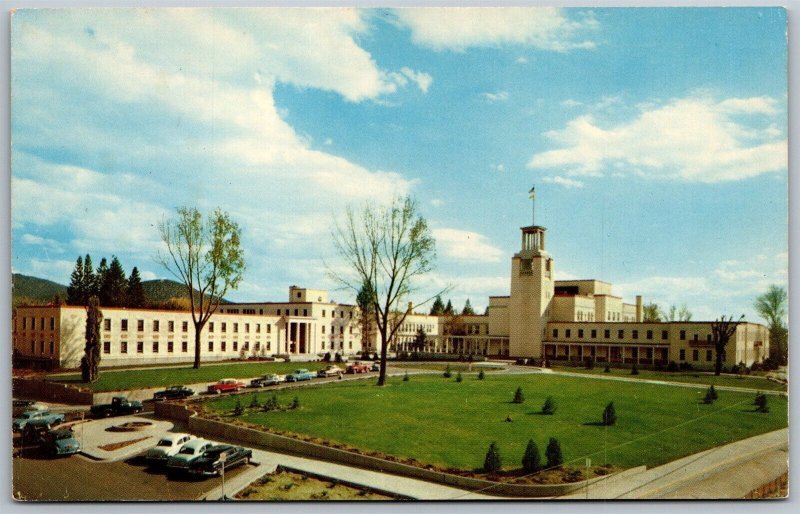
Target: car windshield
{"type": "Point", "coordinates": [165, 442]}
{"type": "Point", "coordinates": [187, 451]}
{"type": "Point", "coordinates": [63, 435]}
{"type": "Point", "coordinates": [29, 415]}
{"type": "Point", "coordinates": [174, 388]}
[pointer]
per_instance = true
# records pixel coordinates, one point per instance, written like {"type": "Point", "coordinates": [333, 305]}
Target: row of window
{"type": "Point", "coordinates": [224, 327]}
{"type": "Point", "coordinates": [32, 323]}
{"type": "Point", "coordinates": [184, 346]}
{"type": "Point", "coordinates": [52, 347]}
{"type": "Point", "coordinates": [696, 355]}
{"type": "Point", "coordinates": [621, 334]}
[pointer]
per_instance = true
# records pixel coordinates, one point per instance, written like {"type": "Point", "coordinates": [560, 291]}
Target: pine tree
{"type": "Point", "coordinates": [437, 309]}
{"type": "Point", "coordinates": [135, 296]}
{"type": "Point", "coordinates": [709, 397]}
{"type": "Point", "coordinates": [492, 462]}
{"type": "Point", "coordinates": [610, 415]}
{"type": "Point", "coordinates": [447, 373]}
{"type": "Point", "coordinates": [405, 377]}
{"type": "Point", "coordinates": [549, 407]}
{"type": "Point", "coordinates": [75, 292]}
{"type": "Point", "coordinates": [88, 283]}
{"type": "Point", "coordinates": [481, 375]}
{"type": "Point", "coordinates": [114, 288]}
{"type": "Point", "coordinates": [468, 310]}
{"type": "Point", "coordinates": [531, 461]}
{"type": "Point", "coordinates": [448, 309]}
{"type": "Point", "coordinates": [100, 277]}
{"type": "Point", "coordinates": [459, 378]}
{"type": "Point", "coordinates": [713, 392]}
{"type": "Point", "coordinates": [518, 396]}
{"type": "Point", "coordinates": [90, 363]}
{"type": "Point", "coordinates": [238, 410]}
{"type": "Point", "coordinates": [553, 453]}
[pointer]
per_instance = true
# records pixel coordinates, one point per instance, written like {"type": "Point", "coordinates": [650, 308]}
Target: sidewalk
{"type": "Point", "coordinates": [92, 434]}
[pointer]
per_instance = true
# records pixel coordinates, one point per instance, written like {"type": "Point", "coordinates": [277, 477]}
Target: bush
{"type": "Point", "coordinates": [713, 393]}
{"type": "Point", "coordinates": [549, 406]}
{"type": "Point", "coordinates": [607, 369]}
{"type": "Point", "coordinates": [761, 403]}
{"type": "Point", "coordinates": [326, 357]}
{"type": "Point", "coordinates": [609, 415]}
{"type": "Point", "coordinates": [588, 363]}
{"type": "Point", "coordinates": [518, 396]}
{"type": "Point", "coordinates": [672, 366]}
{"type": "Point", "coordinates": [553, 454]}
{"type": "Point", "coordinates": [337, 357]}
{"type": "Point", "coordinates": [492, 462]}
{"type": "Point", "coordinates": [709, 397]}
{"type": "Point", "coordinates": [295, 403]}
{"type": "Point", "coordinates": [271, 404]}
{"type": "Point", "coordinates": [238, 410]}
{"type": "Point", "coordinates": [634, 370]}
{"type": "Point", "coordinates": [459, 378]}
{"type": "Point", "coordinates": [481, 375]}
{"type": "Point", "coordinates": [254, 402]}
{"type": "Point", "coordinates": [447, 372]}
{"type": "Point", "coordinates": [531, 461]}
{"type": "Point", "coordinates": [405, 377]}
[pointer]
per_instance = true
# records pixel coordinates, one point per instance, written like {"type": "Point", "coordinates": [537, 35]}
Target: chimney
{"type": "Point", "coordinates": [411, 307]}
{"type": "Point", "coordinates": [639, 309]}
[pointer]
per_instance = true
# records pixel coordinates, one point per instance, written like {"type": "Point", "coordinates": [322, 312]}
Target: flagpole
{"type": "Point", "coordinates": [532, 194]}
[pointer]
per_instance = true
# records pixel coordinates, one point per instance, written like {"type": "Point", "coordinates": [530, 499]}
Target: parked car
{"type": "Point", "coordinates": [376, 366]}
{"type": "Point", "coordinates": [330, 371]}
{"type": "Point", "coordinates": [168, 446]}
{"type": "Point", "coordinates": [299, 374]}
{"type": "Point", "coordinates": [61, 442]}
{"type": "Point", "coordinates": [268, 379]}
{"type": "Point", "coordinates": [188, 452]}
{"type": "Point", "coordinates": [210, 463]}
{"type": "Point", "coordinates": [357, 367]}
{"type": "Point", "coordinates": [119, 405]}
{"type": "Point", "coordinates": [226, 385]}
{"type": "Point", "coordinates": [177, 392]}
{"type": "Point", "coordinates": [40, 416]}
{"type": "Point", "coordinates": [35, 431]}
{"type": "Point", "coordinates": [20, 406]}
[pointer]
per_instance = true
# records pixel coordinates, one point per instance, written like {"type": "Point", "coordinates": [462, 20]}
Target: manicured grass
{"type": "Point", "coordinates": [443, 422]}
{"type": "Point", "coordinates": [441, 366]}
{"type": "Point", "coordinates": [158, 377]}
{"type": "Point", "coordinates": [692, 377]}
{"type": "Point", "coordinates": [288, 486]}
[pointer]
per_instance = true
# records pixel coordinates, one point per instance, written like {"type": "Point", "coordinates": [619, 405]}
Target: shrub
{"type": "Point", "coordinates": [589, 363]}
{"type": "Point", "coordinates": [295, 403]}
{"type": "Point", "coordinates": [447, 372]}
{"type": "Point", "coordinates": [405, 377]}
{"type": "Point", "coordinates": [761, 402]}
{"type": "Point", "coordinates": [672, 366]}
{"type": "Point", "coordinates": [492, 461]}
{"type": "Point", "coordinates": [531, 461]}
{"type": "Point", "coordinates": [254, 402]}
{"type": "Point", "coordinates": [634, 370]}
{"type": "Point", "coordinates": [659, 366]}
{"type": "Point", "coordinates": [459, 378]}
{"type": "Point", "coordinates": [609, 415]}
{"type": "Point", "coordinates": [337, 357]}
{"type": "Point", "coordinates": [518, 396]}
{"type": "Point", "coordinates": [238, 410]}
{"type": "Point", "coordinates": [713, 392]}
{"type": "Point", "coordinates": [553, 454]}
{"type": "Point", "coordinates": [271, 404]}
{"type": "Point", "coordinates": [481, 375]}
{"type": "Point", "coordinates": [327, 357]}
{"type": "Point", "coordinates": [709, 397]}
{"type": "Point", "coordinates": [549, 406]}
{"type": "Point", "coordinates": [607, 369]}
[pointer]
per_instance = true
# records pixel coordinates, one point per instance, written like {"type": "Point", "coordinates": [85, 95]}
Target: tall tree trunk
{"type": "Point", "coordinates": [198, 328]}
{"type": "Point", "coordinates": [384, 348]}
{"type": "Point", "coordinates": [718, 365]}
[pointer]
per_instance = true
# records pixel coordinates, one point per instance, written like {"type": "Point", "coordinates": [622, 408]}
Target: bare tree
{"type": "Point", "coordinates": [721, 332]}
{"type": "Point", "coordinates": [386, 250]}
{"type": "Point", "coordinates": [207, 257]}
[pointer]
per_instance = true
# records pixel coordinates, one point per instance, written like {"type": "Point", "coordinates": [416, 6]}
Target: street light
{"type": "Point", "coordinates": [222, 458]}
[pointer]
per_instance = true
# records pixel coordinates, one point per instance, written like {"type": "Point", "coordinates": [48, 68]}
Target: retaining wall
{"type": "Point", "coordinates": [43, 390]}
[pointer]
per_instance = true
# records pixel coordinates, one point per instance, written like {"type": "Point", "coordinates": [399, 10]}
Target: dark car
{"type": "Point", "coordinates": [61, 442]}
{"type": "Point", "coordinates": [210, 463]}
{"type": "Point", "coordinates": [173, 393]}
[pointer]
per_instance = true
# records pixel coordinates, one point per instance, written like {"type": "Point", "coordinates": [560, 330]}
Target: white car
{"type": "Point", "coordinates": [168, 446]}
{"type": "Point", "coordinates": [188, 452]}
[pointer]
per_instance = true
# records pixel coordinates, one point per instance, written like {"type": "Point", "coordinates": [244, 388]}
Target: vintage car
{"type": "Point", "coordinates": [268, 379]}
{"type": "Point", "coordinates": [330, 371]}
{"type": "Point", "coordinates": [20, 406]}
{"type": "Point", "coordinates": [39, 416]}
{"type": "Point", "coordinates": [376, 366]}
{"type": "Point", "coordinates": [35, 431]}
{"type": "Point", "coordinates": [61, 442]}
{"type": "Point", "coordinates": [211, 462]}
{"type": "Point", "coordinates": [176, 392]}
{"type": "Point", "coordinates": [119, 405]}
{"type": "Point", "coordinates": [188, 452]}
{"type": "Point", "coordinates": [299, 374]}
{"type": "Point", "coordinates": [357, 367]}
{"type": "Point", "coordinates": [168, 446]}
{"type": "Point", "coordinates": [226, 385]}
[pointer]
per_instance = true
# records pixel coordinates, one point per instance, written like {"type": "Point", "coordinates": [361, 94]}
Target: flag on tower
{"type": "Point", "coordinates": [532, 193]}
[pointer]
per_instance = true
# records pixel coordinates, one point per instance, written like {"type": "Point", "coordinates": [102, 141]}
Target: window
{"type": "Point", "coordinates": [323, 313]}
{"type": "Point", "coordinates": [709, 355]}
{"type": "Point", "coordinates": [296, 311]}
{"type": "Point", "coordinates": [682, 354]}
{"type": "Point", "coordinates": [341, 330]}
{"type": "Point", "coordinates": [33, 346]}
{"type": "Point", "coordinates": [170, 326]}
{"type": "Point", "coordinates": [323, 342]}
{"type": "Point", "coordinates": [257, 346]}
{"type": "Point", "coordinates": [247, 328]}
{"type": "Point", "coordinates": [268, 346]}
{"type": "Point", "coordinates": [224, 327]}
{"type": "Point", "coordinates": [52, 347]}
{"type": "Point", "coordinates": [107, 324]}
{"type": "Point", "coordinates": [246, 346]}
{"type": "Point", "coordinates": [258, 328]}
{"type": "Point", "coordinates": [664, 335]}
{"type": "Point", "coordinates": [236, 346]}
{"type": "Point", "coordinates": [185, 326]}
{"type": "Point", "coordinates": [351, 330]}
{"type": "Point", "coordinates": [683, 336]}
{"type": "Point", "coordinates": [53, 323]}
{"type": "Point", "coordinates": [580, 333]}
{"type": "Point", "coordinates": [607, 333]}
{"type": "Point", "coordinates": [323, 331]}
{"type": "Point", "coordinates": [305, 312]}
{"type": "Point", "coordinates": [140, 325]}
{"type": "Point", "coordinates": [184, 346]}
{"type": "Point", "coordinates": [236, 327]}
{"type": "Point", "coordinates": [621, 334]}
{"type": "Point", "coordinates": [649, 334]}
{"type": "Point", "coordinates": [594, 334]}
{"type": "Point", "coordinates": [567, 333]}
{"type": "Point", "coordinates": [123, 347]}
{"type": "Point", "coordinates": [155, 346]}
{"type": "Point", "coordinates": [695, 355]}
{"type": "Point", "coordinates": [222, 346]}
{"type": "Point", "coordinates": [25, 324]}
{"type": "Point", "coordinates": [170, 347]}
{"type": "Point", "coordinates": [211, 346]}
{"type": "Point", "coordinates": [555, 333]}
{"type": "Point", "coordinates": [269, 329]}
{"type": "Point", "coordinates": [341, 314]}
{"type": "Point", "coordinates": [155, 325]}
{"type": "Point", "coordinates": [210, 326]}
{"type": "Point", "coordinates": [41, 327]}
{"type": "Point", "coordinates": [41, 345]}
{"type": "Point", "coordinates": [636, 334]}
{"type": "Point", "coordinates": [279, 312]}
{"type": "Point", "coordinates": [350, 345]}
{"type": "Point", "coordinates": [695, 337]}
{"type": "Point", "coordinates": [708, 338]}
{"type": "Point", "coordinates": [140, 347]}
{"type": "Point", "coordinates": [106, 346]}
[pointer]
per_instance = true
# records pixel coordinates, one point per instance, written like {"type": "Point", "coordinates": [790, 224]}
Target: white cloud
{"type": "Point", "coordinates": [437, 202]}
{"type": "Point", "coordinates": [47, 244]}
{"type": "Point", "coordinates": [422, 80]}
{"type": "Point", "coordinates": [498, 167]}
{"type": "Point", "coordinates": [563, 181]}
{"type": "Point", "coordinates": [753, 105]}
{"type": "Point", "coordinates": [521, 60]}
{"type": "Point", "coordinates": [465, 245]}
{"type": "Point", "coordinates": [498, 96]}
{"type": "Point", "coordinates": [456, 29]}
{"type": "Point", "coordinates": [692, 139]}
{"type": "Point", "coordinates": [569, 102]}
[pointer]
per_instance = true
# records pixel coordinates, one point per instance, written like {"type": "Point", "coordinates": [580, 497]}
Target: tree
{"type": "Point", "coordinates": [88, 286]}
{"type": "Point", "coordinates": [721, 332]}
{"type": "Point", "coordinates": [388, 250]}
{"type": "Point", "coordinates": [676, 314]}
{"type": "Point", "coordinates": [207, 257]}
{"type": "Point", "coordinates": [518, 396]}
{"type": "Point", "coordinates": [90, 362]}
{"type": "Point", "coordinates": [365, 310]}
{"type": "Point", "coordinates": [100, 278]}
{"type": "Point", "coordinates": [772, 307]}
{"type": "Point", "coordinates": [135, 293]}
{"type": "Point", "coordinates": [419, 340]}
{"type": "Point", "coordinates": [553, 453]}
{"type": "Point", "coordinates": [492, 462]}
{"type": "Point", "coordinates": [437, 309]}
{"type": "Point", "coordinates": [531, 461]}
{"type": "Point", "coordinates": [114, 287]}
{"type": "Point", "coordinates": [468, 310]}
{"type": "Point", "coordinates": [448, 309]}
{"type": "Point", "coordinates": [549, 407]}
{"type": "Point", "coordinates": [76, 294]}
{"type": "Point", "coordinates": [651, 312]}
{"type": "Point", "coordinates": [610, 415]}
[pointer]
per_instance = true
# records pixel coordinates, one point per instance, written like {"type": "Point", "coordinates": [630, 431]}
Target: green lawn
{"type": "Point", "coordinates": [441, 366]}
{"type": "Point", "coordinates": [443, 422]}
{"type": "Point", "coordinates": [692, 377]}
{"type": "Point", "coordinates": [157, 377]}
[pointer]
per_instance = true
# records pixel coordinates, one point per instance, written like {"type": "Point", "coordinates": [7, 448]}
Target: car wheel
{"type": "Point", "coordinates": [217, 391]}
{"type": "Point", "coordinates": [107, 414]}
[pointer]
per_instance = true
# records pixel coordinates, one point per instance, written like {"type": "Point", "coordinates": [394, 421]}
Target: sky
{"type": "Point", "coordinates": [656, 140]}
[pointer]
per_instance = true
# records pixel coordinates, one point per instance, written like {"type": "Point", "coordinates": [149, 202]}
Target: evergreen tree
{"type": "Point", "coordinates": [405, 377]}
{"type": "Point", "coordinates": [88, 284]}
{"type": "Point", "coordinates": [709, 397]}
{"type": "Point", "coordinates": [135, 296]}
{"type": "Point", "coordinates": [437, 309]}
{"type": "Point", "coordinates": [531, 461]}
{"type": "Point", "coordinates": [90, 362]}
{"type": "Point", "coordinates": [549, 407]}
{"type": "Point", "coordinates": [448, 309]}
{"type": "Point", "coordinates": [76, 294]}
{"type": "Point", "coordinates": [518, 396]}
{"type": "Point", "coordinates": [459, 378]}
{"type": "Point", "coordinates": [100, 278]}
{"type": "Point", "coordinates": [447, 373]}
{"type": "Point", "coordinates": [609, 415]}
{"type": "Point", "coordinates": [238, 410]}
{"type": "Point", "coordinates": [492, 462]}
{"type": "Point", "coordinates": [634, 370]}
{"type": "Point", "coordinates": [419, 340]}
{"type": "Point", "coordinates": [553, 453]}
{"type": "Point", "coordinates": [468, 310]}
{"type": "Point", "coordinates": [114, 289]}
{"type": "Point", "coordinates": [713, 392]}
{"type": "Point", "coordinates": [481, 375]}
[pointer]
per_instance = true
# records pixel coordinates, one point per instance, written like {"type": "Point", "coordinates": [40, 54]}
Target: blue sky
{"type": "Point", "coordinates": [656, 138]}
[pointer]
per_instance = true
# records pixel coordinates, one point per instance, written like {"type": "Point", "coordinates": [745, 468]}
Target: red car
{"type": "Point", "coordinates": [226, 385]}
{"type": "Point", "coordinates": [357, 367]}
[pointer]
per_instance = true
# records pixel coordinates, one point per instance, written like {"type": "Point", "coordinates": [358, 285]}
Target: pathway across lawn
{"type": "Point", "coordinates": [448, 423]}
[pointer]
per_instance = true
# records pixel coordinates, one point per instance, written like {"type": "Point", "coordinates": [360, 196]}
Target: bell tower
{"type": "Point", "coordinates": [532, 289]}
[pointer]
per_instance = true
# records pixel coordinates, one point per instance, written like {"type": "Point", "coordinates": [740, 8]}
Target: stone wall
{"type": "Point", "coordinates": [53, 391]}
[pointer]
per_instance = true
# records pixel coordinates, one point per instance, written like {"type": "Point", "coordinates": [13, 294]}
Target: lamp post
{"type": "Point", "coordinates": [222, 459]}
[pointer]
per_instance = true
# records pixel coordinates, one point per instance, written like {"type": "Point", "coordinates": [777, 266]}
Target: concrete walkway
{"type": "Point", "coordinates": [93, 433]}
